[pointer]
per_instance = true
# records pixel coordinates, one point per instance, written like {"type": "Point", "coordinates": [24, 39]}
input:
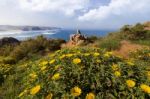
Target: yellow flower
{"type": "Point", "coordinates": [69, 55]}
{"type": "Point", "coordinates": [145, 88]}
{"type": "Point", "coordinates": [44, 63]}
{"type": "Point", "coordinates": [90, 96]}
{"type": "Point", "coordinates": [130, 63]}
{"type": "Point", "coordinates": [76, 61]}
{"type": "Point", "coordinates": [149, 54]}
{"type": "Point", "coordinates": [63, 56]}
{"type": "Point", "coordinates": [115, 67]}
{"type": "Point", "coordinates": [130, 83]}
{"type": "Point", "coordinates": [35, 90]}
{"type": "Point", "coordinates": [56, 67]}
{"type": "Point", "coordinates": [117, 74]}
{"type": "Point", "coordinates": [43, 68]}
{"type": "Point", "coordinates": [148, 73]}
{"type": "Point", "coordinates": [22, 93]}
{"type": "Point", "coordinates": [86, 54]}
{"type": "Point", "coordinates": [108, 54]}
{"type": "Point", "coordinates": [49, 96]}
{"type": "Point", "coordinates": [96, 54]}
{"type": "Point", "coordinates": [76, 91]}
{"type": "Point", "coordinates": [33, 75]}
{"type": "Point", "coordinates": [52, 61]}
{"type": "Point", "coordinates": [98, 61]}
{"type": "Point", "coordinates": [58, 51]}
{"type": "Point", "coordinates": [56, 76]}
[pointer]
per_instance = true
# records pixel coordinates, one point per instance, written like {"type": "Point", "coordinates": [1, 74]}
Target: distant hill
{"type": "Point", "coordinates": [25, 28]}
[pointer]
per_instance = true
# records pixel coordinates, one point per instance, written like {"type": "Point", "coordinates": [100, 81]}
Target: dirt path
{"type": "Point", "coordinates": [126, 48]}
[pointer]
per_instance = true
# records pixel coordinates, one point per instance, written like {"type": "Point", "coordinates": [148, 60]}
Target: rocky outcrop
{"type": "Point", "coordinates": [76, 39]}
{"type": "Point", "coordinates": [8, 41]}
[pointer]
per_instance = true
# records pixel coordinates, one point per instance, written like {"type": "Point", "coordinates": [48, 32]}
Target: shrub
{"type": "Point", "coordinates": [31, 46]}
{"type": "Point", "coordinates": [134, 32]}
{"type": "Point", "coordinates": [5, 70]}
{"type": "Point", "coordinates": [142, 55]}
{"type": "Point", "coordinates": [109, 43]}
{"type": "Point", "coordinates": [83, 72]}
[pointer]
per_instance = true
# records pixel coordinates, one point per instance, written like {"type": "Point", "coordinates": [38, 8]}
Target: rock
{"type": "Point", "coordinates": [8, 41]}
{"type": "Point", "coordinates": [76, 39]}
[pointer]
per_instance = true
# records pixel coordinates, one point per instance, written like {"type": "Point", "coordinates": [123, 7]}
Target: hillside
{"type": "Point", "coordinates": [116, 66]}
{"type": "Point", "coordinates": [24, 28]}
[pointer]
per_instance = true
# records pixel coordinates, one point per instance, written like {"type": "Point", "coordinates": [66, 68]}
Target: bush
{"type": "Point", "coordinates": [142, 55]}
{"type": "Point", "coordinates": [109, 44]}
{"type": "Point", "coordinates": [6, 49]}
{"type": "Point", "coordinates": [32, 46]}
{"type": "Point", "coordinates": [83, 72]}
{"type": "Point", "coordinates": [136, 32]}
{"type": "Point", "coordinates": [5, 70]}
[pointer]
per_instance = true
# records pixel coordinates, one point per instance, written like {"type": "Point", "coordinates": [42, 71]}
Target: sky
{"type": "Point", "coordinates": [73, 14]}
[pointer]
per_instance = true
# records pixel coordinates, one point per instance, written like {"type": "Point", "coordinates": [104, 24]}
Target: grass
{"type": "Point", "coordinates": [142, 42]}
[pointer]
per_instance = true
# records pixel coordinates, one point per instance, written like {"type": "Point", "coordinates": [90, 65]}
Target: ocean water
{"type": "Point", "coordinates": [62, 33]}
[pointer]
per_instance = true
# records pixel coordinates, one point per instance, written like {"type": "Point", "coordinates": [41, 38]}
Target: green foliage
{"type": "Point", "coordinates": [5, 70]}
{"type": "Point", "coordinates": [93, 38]}
{"type": "Point", "coordinates": [142, 55]}
{"type": "Point", "coordinates": [38, 45]}
{"type": "Point", "coordinates": [109, 43]}
{"type": "Point", "coordinates": [134, 32]}
{"type": "Point", "coordinates": [6, 50]}
{"type": "Point", "coordinates": [87, 69]}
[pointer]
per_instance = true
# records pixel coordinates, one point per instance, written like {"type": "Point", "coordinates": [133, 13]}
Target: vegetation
{"type": "Point", "coordinates": [30, 47]}
{"type": "Point", "coordinates": [78, 72]}
{"type": "Point", "coordinates": [39, 69]}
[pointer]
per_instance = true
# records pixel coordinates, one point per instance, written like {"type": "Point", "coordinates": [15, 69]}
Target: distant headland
{"type": "Point", "coordinates": [25, 28]}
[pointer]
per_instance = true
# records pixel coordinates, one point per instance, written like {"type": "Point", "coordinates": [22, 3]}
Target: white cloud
{"type": "Point", "coordinates": [82, 13]}
{"type": "Point", "coordinates": [119, 12]}
{"type": "Point", "coordinates": [66, 6]}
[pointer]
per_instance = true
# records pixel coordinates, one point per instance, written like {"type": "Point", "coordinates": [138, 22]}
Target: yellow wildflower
{"type": "Point", "coordinates": [98, 61]}
{"type": "Point", "coordinates": [44, 63]}
{"type": "Point", "coordinates": [58, 51]}
{"type": "Point", "coordinates": [56, 67]}
{"type": "Point", "coordinates": [43, 68]}
{"type": "Point", "coordinates": [49, 96]}
{"type": "Point", "coordinates": [130, 63]}
{"type": "Point", "coordinates": [76, 91]}
{"type": "Point", "coordinates": [96, 54]}
{"type": "Point", "coordinates": [149, 54]}
{"type": "Point", "coordinates": [33, 75]}
{"type": "Point", "coordinates": [63, 56]}
{"type": "Point", "coordinates": [86, 54]}
{"type": "Point", "coordinates": [35, 90]}
{"type": "Point", "coordinates": [148, 73]}
{"type": "Point", "coordinates": [76, 61]}
{"type": "Point", "coordinates": [107, 54]}
{"type": "Point", "coordinates": [145, 88]}
{"type": "Point", "coordinates": [69, 55]}
{"type": "Point", "coordinates": [117, 74]}
{"type": "Point", "coordinates": [130, 83]}
{"type": "Point", "coordinates": [115, 67]}
{"type": "Point", "coordinates": [22, 93]}
{"type": "Point", "coordinates": [56, 76]}
{"type": "Point", "coordinates": [90, 96]}
{"type": "Point", "coordinates": [52, 61]}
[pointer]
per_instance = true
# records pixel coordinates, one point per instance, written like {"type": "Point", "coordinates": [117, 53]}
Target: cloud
{"type": "Point", "coordinates": [67, 7]}
{"type": "Point", "coordinates": [119, 12]}
{"type": "Point", "coordinates": [87, 14]}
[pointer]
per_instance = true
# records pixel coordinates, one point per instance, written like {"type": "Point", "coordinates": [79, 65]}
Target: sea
{"type": "Point", "coordinates": [55, 34]}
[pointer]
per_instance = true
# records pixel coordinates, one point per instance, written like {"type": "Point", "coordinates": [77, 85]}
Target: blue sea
{"type": "Point", "coordinates": [58, 33]}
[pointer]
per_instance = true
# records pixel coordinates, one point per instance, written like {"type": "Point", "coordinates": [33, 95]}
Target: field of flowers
{"type": "Point", "coordinates": [86, 73]}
